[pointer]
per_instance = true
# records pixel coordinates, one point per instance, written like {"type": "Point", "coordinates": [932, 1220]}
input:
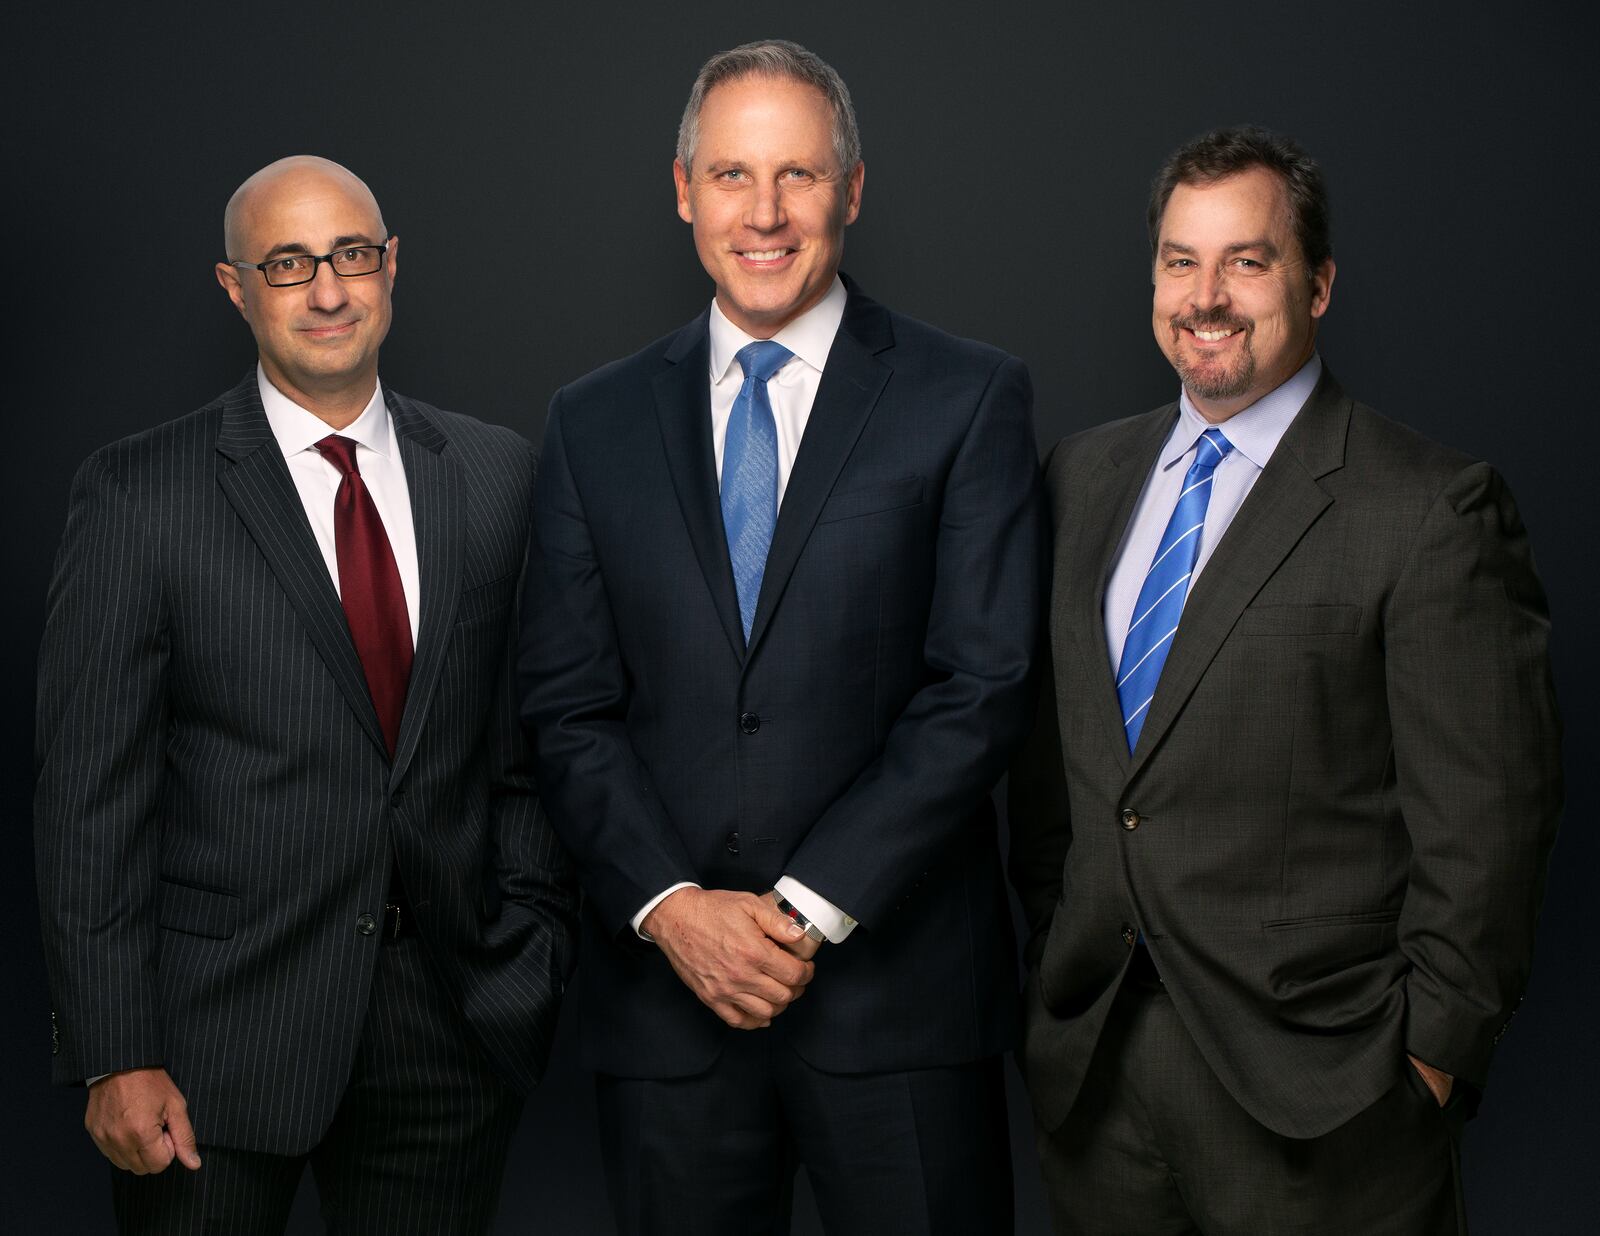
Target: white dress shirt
{"type": "Point", "coordinates": [791, 390]}
{"type": "Point", "coordinates": [317, 480]}
{"type": "Point", "coordinates": [1255, 434]}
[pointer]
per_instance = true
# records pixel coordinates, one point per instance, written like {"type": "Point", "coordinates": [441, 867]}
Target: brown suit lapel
{"type": "Point", "coordinates": [1285, 501]}
{"type": "Point", "coordinates": [1109, 489]}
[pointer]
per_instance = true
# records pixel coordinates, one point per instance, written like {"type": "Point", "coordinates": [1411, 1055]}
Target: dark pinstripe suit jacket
{"type": "Point", "coordinates": [852, 744]}
{"type": "Point", "coordinates": [216, 810]}
{"type": "Point", "coordinates": [1333, 830]}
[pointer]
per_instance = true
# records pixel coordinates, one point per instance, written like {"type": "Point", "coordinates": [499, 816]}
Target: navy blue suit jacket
{"type": "Point", "coordinates": [854, 742]}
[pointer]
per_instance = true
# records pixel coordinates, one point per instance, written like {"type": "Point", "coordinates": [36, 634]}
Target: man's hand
{"type": "Point", "coordinates": [805, 948]}
{"type": "Point", "coordinates": [1440, 1082]}
{"type": "Point", "coordinates": [140, 1121]}
{"type": "Point", "coordinates": [729, 949]}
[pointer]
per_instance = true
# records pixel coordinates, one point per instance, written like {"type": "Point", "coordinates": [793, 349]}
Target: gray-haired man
{"type": "Point", "coordinates": [780, 616]}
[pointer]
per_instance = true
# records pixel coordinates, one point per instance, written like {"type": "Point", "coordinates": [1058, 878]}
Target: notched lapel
{"type": "Point", "coordinates": [256, 481]}
{"type": "Point", "coordinates": [438, 517]}
{"type": "Point", "coordinates": [849, 390]}
{"type": "Point", "coordinates": [683, 409]}
{"type": "Point", "coordinates": [1114, 483]}
{"type": "Point", "coordinates": [1284, 502]}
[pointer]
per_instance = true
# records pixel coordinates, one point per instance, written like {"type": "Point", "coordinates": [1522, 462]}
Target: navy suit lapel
{"type": "Point", "coordinates": [256, 481]}
{"type": "Point", "coordinates": [1284, 502]}
{"type": "Point", "coordinates": [439, 520]}
{"type": "Point", "coordinates": [683, 408]}
{"type": "Point", "coordinates": [849, 390]}
{"type": "Point", "coordinates": [1112, 491]}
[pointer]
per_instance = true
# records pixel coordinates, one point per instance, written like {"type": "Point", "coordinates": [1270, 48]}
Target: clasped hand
{"type": "Point", "coordinates": [740, 955]}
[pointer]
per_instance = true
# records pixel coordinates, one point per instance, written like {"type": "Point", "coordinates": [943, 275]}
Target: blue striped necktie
{"type": "Point", "coordinates": [1161, 597]}
{"type": "Point", "coordinates": [750, 474]}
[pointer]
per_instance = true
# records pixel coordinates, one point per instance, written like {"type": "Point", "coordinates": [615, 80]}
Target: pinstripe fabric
{"type": "Point", "coordinates": [215, 808]}
{"type": "Point", "coordinates": [417, 1146]}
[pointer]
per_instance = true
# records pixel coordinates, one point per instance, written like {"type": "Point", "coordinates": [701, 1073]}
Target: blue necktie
{"type": "Point", "coordinates": [1160, 603]}
{"type": "Point", "coordinates": [750, 474]}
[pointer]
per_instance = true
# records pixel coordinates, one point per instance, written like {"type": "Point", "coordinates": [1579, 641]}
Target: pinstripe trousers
{"type": "Point", "coordinates": [418, 1143]}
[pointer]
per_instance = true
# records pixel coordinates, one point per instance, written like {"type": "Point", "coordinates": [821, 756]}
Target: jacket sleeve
{"type": "Point", "coordinates": [574, 698]}
{"type": "Point", "coordinates": [1476, 749]}
{"type": "Point", "coordinates": [908, 809]}
{"type": "Point", "coordinates": [100, 748]}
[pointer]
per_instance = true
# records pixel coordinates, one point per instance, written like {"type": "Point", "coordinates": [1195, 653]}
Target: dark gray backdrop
{"type": "Point", "coordinates": [523, 154]}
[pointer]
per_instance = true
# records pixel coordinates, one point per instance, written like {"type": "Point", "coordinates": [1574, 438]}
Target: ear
{"type": "Point", "coordinates": [858, 177]}
{"type": "Point", "coordinates": [228, 277]}
{"type": "Point", "coordinates": [391, 259]}
{"type": "Point", "coordinates": [1322, 288]}
{"type": "Point", "coordinates": [680, 182]}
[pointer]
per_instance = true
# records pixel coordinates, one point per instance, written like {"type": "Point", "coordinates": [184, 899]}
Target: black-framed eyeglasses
{"type": "Point", "coordinates": [288, 269]}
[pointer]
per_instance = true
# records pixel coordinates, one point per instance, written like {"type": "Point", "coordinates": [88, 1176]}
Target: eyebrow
{"type": "Point", "coordinates": [1243, 246]}
{"type": "Point", "coordinates": [339, 242]}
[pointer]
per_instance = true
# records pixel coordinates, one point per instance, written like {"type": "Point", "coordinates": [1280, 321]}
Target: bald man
{"type": "Point", "coordinates": [300, 903]}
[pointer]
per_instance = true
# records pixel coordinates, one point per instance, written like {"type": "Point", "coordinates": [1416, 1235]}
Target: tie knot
{"type": "Point", "coordinates": [341, 453]}
{"type": "Point", "coordinates": [1219, 448]}
{"type": "Point", "coordinates": [762, 359]}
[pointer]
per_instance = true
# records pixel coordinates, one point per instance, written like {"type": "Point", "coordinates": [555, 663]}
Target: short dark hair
{"type": "Point", "coordinates": [774, 58]}
{"type": "Point", "coordinates": [1226, 152]}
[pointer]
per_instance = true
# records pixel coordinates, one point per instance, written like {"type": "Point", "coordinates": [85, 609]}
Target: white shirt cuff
{"type": "Point", "coordinates": [830, 920]}
{"type": "Point", "coordinates": [638, 919]}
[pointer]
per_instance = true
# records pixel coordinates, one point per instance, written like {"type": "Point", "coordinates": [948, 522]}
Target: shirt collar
{"type": "Point", "coordinates": [298, 430]}
{"type": "Point", "coordinates": [1255, 432]}
{"type": "Point", "coordinates": [809, 336]}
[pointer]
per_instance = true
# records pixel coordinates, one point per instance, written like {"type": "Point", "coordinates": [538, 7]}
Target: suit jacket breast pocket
{"type": "Point", "coordinates": [494, 597]}
{"type": "Point", "coordinates": [1290, 620]}
{"type": "Point", "coordinates": [198, 911]}
{"type": "Point", "coordinates": [872, 500]}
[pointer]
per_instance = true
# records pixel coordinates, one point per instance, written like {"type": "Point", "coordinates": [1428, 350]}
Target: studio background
{"type": "Point", "coordinates": [522, 153]}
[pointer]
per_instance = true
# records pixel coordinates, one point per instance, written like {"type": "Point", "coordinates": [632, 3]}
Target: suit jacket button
{"type": "Point", "coordinates": [749, 722]}
{"type": "Point", "coordinates": [1130, 819]}
{"type": "Point", "coordinates": [1129, 935]}
{"type": "Point", "coordinates": [366, 924]}
{"type": "Point", "coordinates": [733, 843]}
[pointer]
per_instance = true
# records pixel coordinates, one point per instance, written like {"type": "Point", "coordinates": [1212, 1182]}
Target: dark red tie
{"type": "Point", "coordinates": [369, 586]}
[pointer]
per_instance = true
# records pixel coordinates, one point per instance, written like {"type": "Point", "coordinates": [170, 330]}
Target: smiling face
{"type": "Point", "coordinates": [1235, 309]}
{"type": "Point", "coordinates": [767, 199]}
{"type": "Point", "coordinates": [319, 340]}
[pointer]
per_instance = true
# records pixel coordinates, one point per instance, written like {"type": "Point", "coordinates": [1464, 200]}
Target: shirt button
{"type": "Point", "coordinates": [1130, 819]}
{"type": "Point", "coordinates": [366, 924]}
{"type": "Point", "coordinates": [749, 722]}
{"type": "Point", "coordinates": [733, 843]}
{"type": "Point", "coordinates": [1129, 935]}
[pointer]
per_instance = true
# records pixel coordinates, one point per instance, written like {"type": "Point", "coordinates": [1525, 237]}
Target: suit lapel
{"type": "Point", "coordinates": [849, 390]}
{"type": "Point", "coordinates": [437, 515]}
{"type": "Point", "coordinates": [256, 481]}
{"type": "Point", "coordinates": [1112, 491]}
{"type": "Point", "coordinates": [683, 408]}
{"type": "Point", "coordinates": [1284, 502]}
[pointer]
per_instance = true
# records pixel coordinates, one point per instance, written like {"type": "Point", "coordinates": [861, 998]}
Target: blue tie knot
{"type": "Point", "coordinates": [762, 359]}
{"type": "Point", "coordinates": [1220, 446]}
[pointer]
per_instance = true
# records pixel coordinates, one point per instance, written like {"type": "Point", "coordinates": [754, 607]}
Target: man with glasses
{"type": "Point", "coordinates": [300, 903]}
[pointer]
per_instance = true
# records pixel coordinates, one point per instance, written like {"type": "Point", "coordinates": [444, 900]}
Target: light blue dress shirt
{"type": "Point", "coordinates": [1255, 434]}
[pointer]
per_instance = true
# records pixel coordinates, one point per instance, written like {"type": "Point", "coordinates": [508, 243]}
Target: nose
{"type": "Point", "coordinates": [1209, 288]}
{"type": "Point", "coordinates": [766, 211]}
{"type": "Point", "coordinates": [326, 291]}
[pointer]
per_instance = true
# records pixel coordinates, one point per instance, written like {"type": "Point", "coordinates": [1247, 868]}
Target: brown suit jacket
{"type": "Point", "coordinates": [1334, 829]}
